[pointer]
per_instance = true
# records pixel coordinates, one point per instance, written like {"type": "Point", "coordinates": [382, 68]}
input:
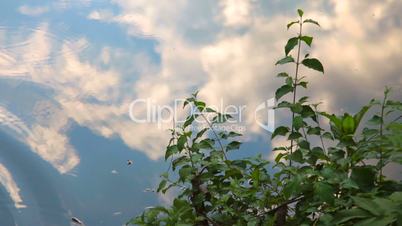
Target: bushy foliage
{"type": "Point", "coordinates": [338, 180]}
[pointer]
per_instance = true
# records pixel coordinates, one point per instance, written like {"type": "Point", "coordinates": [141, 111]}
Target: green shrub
{"type": "Point", "coordinates": [338, 182]}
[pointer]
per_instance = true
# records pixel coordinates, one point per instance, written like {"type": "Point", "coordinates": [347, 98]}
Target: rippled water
{"type": "Point", "coordinates": [51, 168]}
{"type": "Point", "coordinates": [69, 70]}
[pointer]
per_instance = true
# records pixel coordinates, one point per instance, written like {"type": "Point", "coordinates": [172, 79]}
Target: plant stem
{"type": "Point", "coordinates": [216, 135]}
{"type": "Point", "coordinates": [295, 82]}
{"type": "Point", "coordinates": [381, 134]}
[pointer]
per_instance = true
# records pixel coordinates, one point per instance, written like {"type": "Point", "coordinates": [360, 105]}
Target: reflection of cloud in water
{"type": "Point", "coordinates": [50, 142]}
{"type": "Point", "coordinates": [11, 187]}
{"type": "Point", "coordinates": [23, 49]}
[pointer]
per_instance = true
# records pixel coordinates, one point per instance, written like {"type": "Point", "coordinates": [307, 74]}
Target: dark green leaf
{"type": "Point", "coordinates": [307, 39]}
{"type": "Point", "coordinates": [313, 63]}
{"type": "Point", "coordinates": [350, 214]}
{"type": "Point", "coordinates": [233, 145]}
{"type": "Point", "coordinates": [282, 131]}
{"type": "Point", "coordinates": [294, 136]}
{"type": "Point", "coordinates": [298, 122]}
{"type": "Point", "coordinates": [314, 131]}
{"type": "Point", "coordinates": [375, 120]}
{"type": "Point", "coordinates": [283, 90]}
{"type": "Point", "coordinates": [303, 84]}
{"type": "Point", "coordinates": [366, 204]}
{"type": "Point", "coordinates": [282, 74]}
{"type": "Point", "coordinates": [328, 135]}
{"type": "Point", "coordinates": [348, 124]}
{"type": "Point", "coordinates": [162, 185]}
{"type": "Point", "coordinates": [179, 161]}
{"type": "Point", "coordinates": [297, 156]}
{"type": "Point", "coordinates": [311, 21]}
{"type": "Point", "coordinates": [291, 44]}
{"type": "Point", "coordinates": [185, 172]}
{"type": "Point", "coordinates": [188, 121]}
{"type": "Point", "coordinates": [285, 60]}
{"type": "Point", "coordinates": [364, 177]}
{"type": "Point", "coordinates": [300, 12]}
{"type": "Point", "coordinates": [181, 142]}
{"type": "Point", "coordinates": [171, 150]}
{"type": "Point", "coordinates": [200, 105]}
{"type": "Point", "coordinates": [291, 23]}
{"type": "Point", "coordinates": [234, 134]}
{"type": "Point", "coordinates": [206, 144]}
{"type": "Point", "coordinates": [324, 192]}
{"type": "Point", "coordinates": [358, 116]}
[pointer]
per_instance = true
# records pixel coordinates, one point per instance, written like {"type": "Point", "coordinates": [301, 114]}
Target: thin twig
{"type": "Point", "coordinates": [295, 83]}
{"type": "Point", "coordinates": [216, 135]}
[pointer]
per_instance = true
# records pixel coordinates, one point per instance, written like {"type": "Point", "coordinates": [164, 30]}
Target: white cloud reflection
{"type": "Point", "coordinates": [11, 187]}
{"type": "Point", "coordinates": [33, 10]}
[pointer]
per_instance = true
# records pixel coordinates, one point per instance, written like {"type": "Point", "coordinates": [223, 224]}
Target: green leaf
{"type": "Point", "coordinates": [300, 12]}
{"type": "Point", "coordinates": [375, 120]}
{"type": "Point", "coordinates": [303, 99]}
{"type": "Point", "coordinates": [328, 135]}
{"type": "Point", "coordinates": [234, 134]}
{"type": "Point", "coordinates": [348, 124]}
{"type": "Point", "coordinates": [208, 109]}
{"type": "Point", "coordinates": [348, 184]}
{"type": "Point", "coordinates": [303, 84]}
{"type": "Point", "coordinates": [308, 112]}
{"type": "Point", "coordinates": [377, 221]}
{"type": "Point", "coordinates": [282, 74]}
{"type": "Point", "coordinates": [307, 39]}
{"type": "Point", "coordinates": [294, 136]}
{"type": "Point", "coordinates": [233, 145]}
{"type": "Point", "coordinates": [296, 108]}
{"type": "Point", "coordinates": [188, 121]}
{"type": "Point", "coordinates": [181, 141]}
{"type": "Point", "coordinates": [282, 131]}
{"type": "Point", "coordinates": [313, 63]}
{"type": "Point", "coordinates": [291, 44]}
{"type": "Point", "coordinates": [162, 185]}
{"type": "Point", "coordinates": [291, 23]}
{"type": "Point", "coordinates": [364, 177]}
{"type": "Point", "coordinates": [171, 150]}
{"type": "Point", "coordinates": [185, 172]}
{"type": "Point", "coordinates": [297, 156]}
{"type": "Point", "coordinates": [358, 116]}
{"type": "Point", "coordinates": [283, 90]}
{"type": "Point", "coordinates": [200, 134]}
{"type": "Point", "coordinates": [366, 204]}
{"type": "Point", "coordinates": [279, 157]}
{"type": "Point", "coordinates": [279, 149]}
{"type": "Point", "coordinates": [285, 60]}
{"type": "Point", "coordinates": [311, 21]}
{"type": "Point", "coordinates": [200, 105]}
{"type": "Point", "coordinates": [396, 196]}
{"type": "Point", "coordinates": [206, 144]}
{"type": "Point", "coordinates": [350, 214]}
{"type": "Point", "coordinates": [314, 131]}
{"type": "Point", "coordinates": [324, 192]}
{"type": "Point", "coordinates": [298, 122]}
{"type": "Point", "coordinates": [289, 81]}
{"type": "Point", "coordinates": [179, 161]}
{"type": "Point", "coordinates": [292, 187]}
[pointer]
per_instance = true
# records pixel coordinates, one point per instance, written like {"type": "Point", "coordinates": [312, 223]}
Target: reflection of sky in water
{"type": "Point", "coordinates": [69, 70]}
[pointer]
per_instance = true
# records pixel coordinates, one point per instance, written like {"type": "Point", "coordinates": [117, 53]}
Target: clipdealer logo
{"type": "Point", "coordinates": [146, 111]}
